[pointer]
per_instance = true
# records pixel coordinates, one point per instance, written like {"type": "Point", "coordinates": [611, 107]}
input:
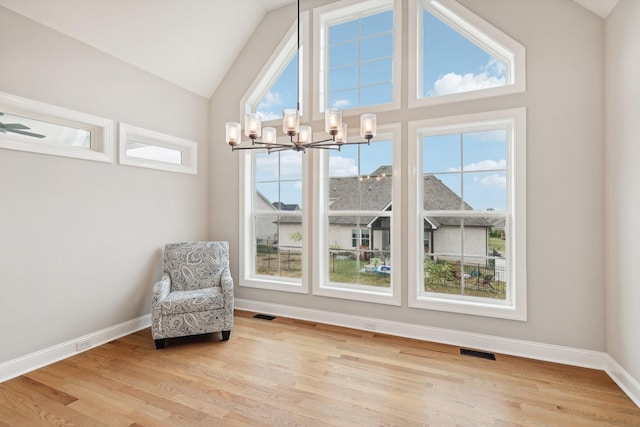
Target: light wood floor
{"type": "Point", "coordinates": [287, 372]}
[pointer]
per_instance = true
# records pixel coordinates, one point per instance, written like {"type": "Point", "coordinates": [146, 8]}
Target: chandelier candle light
{"type": "Point", "coordinates": [300, 137]}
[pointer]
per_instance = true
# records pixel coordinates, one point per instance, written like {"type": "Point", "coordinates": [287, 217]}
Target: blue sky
{"type": "Point", "coordinates": [360, 59]}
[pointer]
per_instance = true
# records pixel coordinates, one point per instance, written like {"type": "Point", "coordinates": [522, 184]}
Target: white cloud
{"type": "Point", "coordinates": [342, 103]}
{"type": "Point", "coordinates": [493, 181]}
{"type": "Point", "coordinates": [342, 166]}
{"type": "Point", "coordinates": [290, 164]}
{"type": "Point", "coordinates": [492, 75]}
{"type": "Point", "coordinates": [482, 165]}
{"type": "Point", "coordinates": [495, 68]}
{"type": "Point", "coordinates": [271, 99]}
{"type": "Point", "coordinates": [268, 115]}
{"type": "Point", "coordinates": [456, 83]}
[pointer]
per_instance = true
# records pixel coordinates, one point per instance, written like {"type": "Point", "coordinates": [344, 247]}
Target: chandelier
{"type": "Point", "coordinates": [300, 137]}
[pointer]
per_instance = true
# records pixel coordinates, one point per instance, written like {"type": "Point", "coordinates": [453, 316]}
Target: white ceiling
{"type": "Point", "coordinates": [189, 43]}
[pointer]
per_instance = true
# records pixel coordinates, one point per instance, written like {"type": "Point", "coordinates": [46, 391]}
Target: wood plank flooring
{"type": "Point", "coordinates": [288, 372]}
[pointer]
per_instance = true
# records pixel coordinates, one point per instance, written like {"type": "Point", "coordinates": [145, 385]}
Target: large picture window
{"type": "Point", "coordinates": [358, 221]}
{"type": "Point", "coordinates": [273, 236]}
{"type": "Point", "coordinates": [469, 201]}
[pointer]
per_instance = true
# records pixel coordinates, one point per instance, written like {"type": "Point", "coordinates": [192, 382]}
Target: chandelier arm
{"type": "Point", "coordinates": [263, 146]}
{"type": "Point", "coordinates": [337, 145]}
{"type": "Point", "coordinates": [315, 143]}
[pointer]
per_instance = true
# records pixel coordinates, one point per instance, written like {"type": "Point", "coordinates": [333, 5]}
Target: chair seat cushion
{"type": "Point", "coordinates": [191, 301]}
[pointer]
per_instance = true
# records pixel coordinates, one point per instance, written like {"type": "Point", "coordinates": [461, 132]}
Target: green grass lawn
{"type": "Point", "coordinates": [497, 243]}
{"type": "Point", "coordinates": [289, 264]}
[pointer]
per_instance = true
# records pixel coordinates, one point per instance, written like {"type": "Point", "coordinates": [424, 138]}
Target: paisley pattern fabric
{"type": "Point", "coordinates": [195, 294]}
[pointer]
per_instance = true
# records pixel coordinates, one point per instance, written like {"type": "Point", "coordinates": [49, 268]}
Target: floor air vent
{"type": "Point", "coordinates": [264, 317]}
{"type": "Point", "coordinates": [479, 354]}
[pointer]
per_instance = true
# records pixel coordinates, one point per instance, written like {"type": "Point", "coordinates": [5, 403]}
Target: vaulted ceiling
{"type": "Point", "coordinates": [189, 43]}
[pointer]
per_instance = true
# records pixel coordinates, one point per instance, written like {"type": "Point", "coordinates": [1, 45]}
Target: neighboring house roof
{"type": "Point", "coordinates": [373, 193]}
{"type": "Point", "coordinates": [286, 206]}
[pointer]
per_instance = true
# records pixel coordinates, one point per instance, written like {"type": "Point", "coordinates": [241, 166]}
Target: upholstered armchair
{"type": "Point", "coordinates": [195, 294]}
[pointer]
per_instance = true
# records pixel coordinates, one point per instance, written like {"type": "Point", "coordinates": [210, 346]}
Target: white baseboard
{"type": "Point", "coordinates": [625, 381]}
{"type": "Point", "coordinates": [533, 350]}
{"type": "Point", "coordinates": [30, 362]}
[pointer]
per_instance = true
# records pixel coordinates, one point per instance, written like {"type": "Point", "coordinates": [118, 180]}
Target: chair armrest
{"type": "Point", "coordinates": [226, 281]}
{"type": "Point", "coordinates": [161, 290]}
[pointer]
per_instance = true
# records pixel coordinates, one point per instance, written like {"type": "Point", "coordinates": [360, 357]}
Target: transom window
{"type": "Point", "coordinates": [356, 45]}
{"type": "Point", "coordinates": [275, 88]}
{"type": "Point", "coordinates": [456, 56]}
{"type": "Point", "coordinates": [33, 126]}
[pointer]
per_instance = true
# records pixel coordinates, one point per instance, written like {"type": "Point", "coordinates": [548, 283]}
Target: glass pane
{"type": "Point", "coordinates": [441, 153]}
{"type": "Point", "coordinates": [461, 257]}
{"type": "Point", "coordinates": [277, 166]}
{"type": "Point", "coordinates": [485, 150]}
{"type": "Point", "coordinates": [153, 152]}
{"type": "Point", "coordinates": [267, 196]}
{"type": "Point", "coordinates": [497, 258]}
{"type": "Point", "coordinates": [378, 23]}
{"type": "Point", "coordinates": [343, 54]}
{"type": "Point", "coordinates": [360, 254]}
{"type": "Point", "coordinates": [26, 129]}
{"type": "Point", "coordinates": [278, 246]}
{"type": "Point", "coordinates": [361, 177]}
{"type": "Point", "coordinates": [376, 47]}
{"type": "Point", "coordinates": [290, 196]}
{"type": "Point", "coordinates": [282, 94]}
{"type": "Point", "coordinates": [442, 192]}
{"type": "Point", "coordinates": [344, 99]}
{"type": "Point", "coordinates": [375, 72]}
{"type": "Point", "coordinates": [485, 191]}
{"type": "Point", "coordinates": [441, 274]}
{"type": "Point", "coordinates": [453, 64]}
{"type": "Point", "coordinates": [377, 94]}
{"type": "Point", "coordinates": [343, 78]}
{"type": "Point", "coordinates": [284, 196]}
{"type": "Point", "coordinates": [343, 32]}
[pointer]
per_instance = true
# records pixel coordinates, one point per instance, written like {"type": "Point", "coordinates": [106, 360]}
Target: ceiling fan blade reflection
{"type": "Point", "coordinates": [10, 126]}
{"type": "Point", "coordinates": [21, 132]}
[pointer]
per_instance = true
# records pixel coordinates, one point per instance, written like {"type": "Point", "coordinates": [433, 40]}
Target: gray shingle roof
{"type": "Point", "coordinates": [373, 192]}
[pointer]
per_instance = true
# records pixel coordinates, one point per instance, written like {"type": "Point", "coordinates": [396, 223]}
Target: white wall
{"type": "Point", "coordinates": [80, 241]}
{"type": "Point", "coordinates": [622, 35]}
{"type": "Point", "coordinates": [565, 195]}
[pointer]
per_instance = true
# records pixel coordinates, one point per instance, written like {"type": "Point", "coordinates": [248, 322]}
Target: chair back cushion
{"type": "Point", "coordinates": [195, 265]}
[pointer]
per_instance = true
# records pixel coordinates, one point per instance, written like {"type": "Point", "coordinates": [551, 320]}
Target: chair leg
{"type": "Point", "coordinates": [226, 335]}
{"type": "Point", "coordinates": [160, 343]}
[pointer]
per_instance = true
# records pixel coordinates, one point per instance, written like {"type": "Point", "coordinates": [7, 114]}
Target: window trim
{"type": "Point", "coordinates": [189, 149]}
{"type": "Point", "coordinates": [321, 286]}
{"type": "Point", "coordinates": [246, 247]}
{"type": "Point", "coordinates": [340, 11]}
{"type": "Point", "coordinates": [476, 30]}
{"type": "Point", "coordinates": [515, 122]}
{"type": "Point", "coordinates": [102, 130]}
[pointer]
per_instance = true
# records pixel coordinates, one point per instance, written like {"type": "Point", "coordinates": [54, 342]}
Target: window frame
{"type": "Point", "coordinates": [101, 130]}
{"type": "Point", "coordinates": [515, 306]}
{"type": "Point", "coordinates": [342, 11]}
{"type": "Point", "coordinates": [321, 211]}
{"type": "Point", "coordinates": [477, 31]}
{"type": "Point", "coordinates": [189, 149]}
{"type": "Point", "coordinates": [247, 232]}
